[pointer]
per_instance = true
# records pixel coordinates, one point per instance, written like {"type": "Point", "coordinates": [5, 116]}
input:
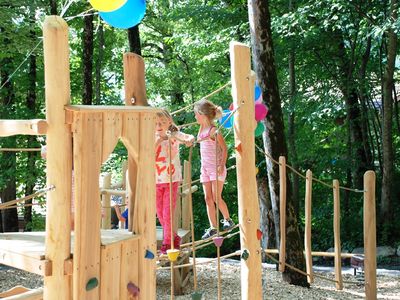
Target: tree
{"type": "Point", "coordinates": [387, 137]}
{"type": "Point", "coordinates": [88, 47]}
{"type": "Point", "coordinates": [274, 141]}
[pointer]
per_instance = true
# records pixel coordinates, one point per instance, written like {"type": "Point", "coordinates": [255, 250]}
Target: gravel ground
{"type": "Point", "coordinates": [273, 286]}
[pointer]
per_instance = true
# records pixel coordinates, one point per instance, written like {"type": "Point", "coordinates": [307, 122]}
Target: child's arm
{"type": "Point", "coordinates": [118, 212]}
{"type": "Point", "coordinates": [187, 139]}
{"type": "Point", "coordinates": [224, 150]}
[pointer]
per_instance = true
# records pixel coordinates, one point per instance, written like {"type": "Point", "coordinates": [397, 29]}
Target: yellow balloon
{"type": "Point", "coordinates": [107, 5]}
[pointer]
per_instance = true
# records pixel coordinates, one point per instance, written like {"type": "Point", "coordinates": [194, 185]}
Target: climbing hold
{"type": "Point", "coordinates": [173, 254]}
{"type": "Point", "coordinates": [197, 296]}
{"type": "Point", "coordinates": [218, 240]}
{"type": "Point", "coordinates": [245, 254]}
{"type": "Point", "coordinates": [239, 148]}
{"type": "Point", "coordinates": [133, 289]}
{"type": "Point", "coordinates": [149, 254]}
{"type": "Point", "coordinates": [259, 234]}
{"type": "Point", "coordinates": [92, 283]}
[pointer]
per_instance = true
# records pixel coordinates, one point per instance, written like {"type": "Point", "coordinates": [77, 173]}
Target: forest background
{"type": "Point", "coordinates": [336, 69]}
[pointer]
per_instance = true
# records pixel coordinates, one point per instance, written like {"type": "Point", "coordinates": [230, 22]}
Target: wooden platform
{"type": "Point", "coordinates": [25, 250]}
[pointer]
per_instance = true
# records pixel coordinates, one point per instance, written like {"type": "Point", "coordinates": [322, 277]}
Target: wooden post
{"type": "Point", "coordinates": [135, 94]}
{"type": "Point", "coordinates": [369, 235]}
{"type": "Point", "coordinates": [336, 232]}
{"type": "Point", "coordinates": [185, 198]}
{"type": "Point", "coordinates": [282, 210]}
{"type": "Point", "coordinates": [59, 157]}
{"type": "Point", "coordinates": [249, 211]}
{"type": "Point", "coordinates": [145, 222]}
{"type": "Point", "coordinates": [307, 229]}
{"type": "Point", "coordinates": [106, 203]}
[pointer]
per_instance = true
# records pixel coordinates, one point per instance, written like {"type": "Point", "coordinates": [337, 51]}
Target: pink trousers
{"type": "Point", "coordinates": [163, 208]}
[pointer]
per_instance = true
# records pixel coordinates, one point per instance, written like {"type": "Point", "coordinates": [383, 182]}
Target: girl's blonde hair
{"type": "Point", "coordinates": [163, 113]}
{"type": "Point", "coordinates": [208, 109]}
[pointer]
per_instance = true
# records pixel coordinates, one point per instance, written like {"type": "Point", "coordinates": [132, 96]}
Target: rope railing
{"type": "Point", "coordinates": [304, 177]}
{"type": "Point", "coordinates": [236, 253]}
{"type": "Point", "coordinates": [38, 193]}
{"type": "Point", "coordinates": [205, 97]}
{"type": "Point", "coordinates": [20, 149]}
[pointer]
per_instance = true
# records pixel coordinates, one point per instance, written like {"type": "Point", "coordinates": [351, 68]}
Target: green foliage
{"type": "Point", "coordinates": [185, 45]}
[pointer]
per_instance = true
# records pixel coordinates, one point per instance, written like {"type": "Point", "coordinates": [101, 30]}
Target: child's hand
{"type": "Point", "coordinates": [189, 142]}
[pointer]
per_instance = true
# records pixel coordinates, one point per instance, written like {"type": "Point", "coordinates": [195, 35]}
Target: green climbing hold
{"type": "Point", "coordinates": [197, 296]}
{"type": "Point", "coordinates": [92, 283]}
{"type": "Point", "coordinates": [245, 254]}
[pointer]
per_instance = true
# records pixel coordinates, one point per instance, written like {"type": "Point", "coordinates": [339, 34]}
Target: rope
{"type": "Point", "coordinates": [304, 177]}
{"type": "Point", "coordinates": [172, 238]}
{"type": "Point", "coordinates": [207, 96]}
{"type": "Point", "coordinates": [298, 270]}
{"type": "Point", "coordinates": [236, 253]}
{"type": "Point", "coordinates": [19, 149]}
{"type": "Point", "coordinates": [217, 212]}
{"type": "Point", "coordinates": [197, 180]}
{"type": "Point", "coordinates": [38, 193]}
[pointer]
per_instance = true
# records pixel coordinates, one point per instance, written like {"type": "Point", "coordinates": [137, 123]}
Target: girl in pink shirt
{"type": "Point", "coordinates": [165, 124]}
{"type": "Point", "coordinates": [213, 152]}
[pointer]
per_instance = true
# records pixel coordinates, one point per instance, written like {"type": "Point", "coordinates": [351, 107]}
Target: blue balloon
{"type": "Point", "coordinates": [257, 91]}
{"type": "Point", "coordinates": [127, 16]}
{"type": "Point", "coordinates": [225, 115]}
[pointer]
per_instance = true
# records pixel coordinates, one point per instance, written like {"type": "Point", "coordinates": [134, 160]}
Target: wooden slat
{"type": "Point", "coordinates": [110, 271]}
{"type": "Point", "coordinates": [145, 215]}
{"type": "Point", "coordinates": [26, 127]}
{"type": "Point", "coordinates": [129, 258]}
{"type": "Point", "coordinates": [112, 129]}
{"type": "Point", "coordinates": [87, 162]}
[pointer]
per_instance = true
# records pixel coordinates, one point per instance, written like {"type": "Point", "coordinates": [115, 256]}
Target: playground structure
{"type": "Point", "coordinates": [106, 264]}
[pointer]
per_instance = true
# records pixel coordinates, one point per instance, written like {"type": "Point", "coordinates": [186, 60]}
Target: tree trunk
{"type": "Point", "coordinates": [134, 40]}
{"type": "Point", "coordinates": [8, 159]}
{"type": "Point", "coordinates": [53, 7]}
{"type": "Point", "coordinates": [291, 121]}
{"type": "Point", "coordinates": [31, 106]}
{"type": "Point", "coordinates": [275, 145]}
{"type": "Point", "coordinates": [99, 63]}
{"type": "Point", "coordinates": [88, 61]}
{"type": "Point", "coordinates": [387, 138]}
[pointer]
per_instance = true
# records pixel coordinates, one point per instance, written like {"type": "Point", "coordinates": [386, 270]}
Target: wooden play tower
{"type": "Point", "coordinates": [91, 263]}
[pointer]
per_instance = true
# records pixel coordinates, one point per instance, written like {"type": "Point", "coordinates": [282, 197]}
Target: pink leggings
{"type": "Point", "coordinates": [163, 211]}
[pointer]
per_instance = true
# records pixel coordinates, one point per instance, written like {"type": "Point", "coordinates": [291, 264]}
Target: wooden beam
{"type": "Point", "coordinates": [249, 211]}
{"type": "Point", "coordinates": [24, 294]}
{"type": "Point", "coordinates": [106, 203]}
{"type": "Point", "coordinates": [25, 127]}
{"type": "Point", "coordinates": [26, 263]}
{"type": "Point", "coordinates": [59, 157]}
{"type": "Point", "coordinates": [110, 108]}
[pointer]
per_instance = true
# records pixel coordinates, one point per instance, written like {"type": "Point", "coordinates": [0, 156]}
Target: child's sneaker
{"type": "Point", "coordinates": [209, 233]}
{"type": "Point", "coordinates": [177, 242]}
{"type": "Point", "coordinates": [227, 224]}
{"type": "Point", "coordinates": [164, 248]}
